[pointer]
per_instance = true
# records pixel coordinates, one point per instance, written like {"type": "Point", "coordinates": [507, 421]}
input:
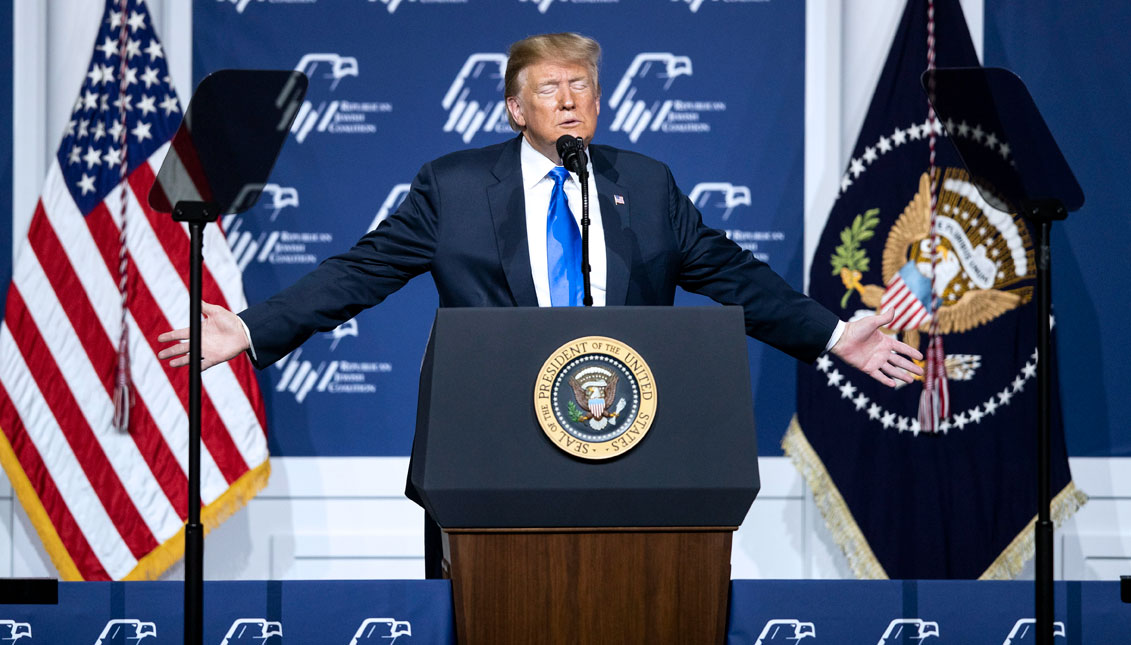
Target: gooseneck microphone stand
{"type": "Point", "coordinates": [572, 153]}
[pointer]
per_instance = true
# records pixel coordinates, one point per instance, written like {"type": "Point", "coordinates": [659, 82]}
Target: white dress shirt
{"type": "Point", "coordinates": [537, 186]}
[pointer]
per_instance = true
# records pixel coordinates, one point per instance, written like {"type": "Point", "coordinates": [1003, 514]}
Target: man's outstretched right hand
{"type": "Point", "coordinates": [222, 338]}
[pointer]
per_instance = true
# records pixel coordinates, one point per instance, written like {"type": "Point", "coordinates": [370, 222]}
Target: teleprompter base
{"type": "Point", "coordinates": [607, 585]}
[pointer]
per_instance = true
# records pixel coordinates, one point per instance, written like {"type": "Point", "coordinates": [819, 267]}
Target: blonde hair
{"type": "Point", "coordinates": [568, 46]}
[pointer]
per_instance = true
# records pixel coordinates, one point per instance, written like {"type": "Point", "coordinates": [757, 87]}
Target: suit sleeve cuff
{"type": "Point", "coordinates": [837, 333]}
{"type": "Point", "coordinates": [251, 345]}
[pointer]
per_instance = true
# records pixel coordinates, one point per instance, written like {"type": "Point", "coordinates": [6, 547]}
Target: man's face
{"type": "Point", "coordinates": [555, 99]}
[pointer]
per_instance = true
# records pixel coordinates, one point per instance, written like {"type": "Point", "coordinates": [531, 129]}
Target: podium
{"type": "Point", "coordinates": [544, 546]}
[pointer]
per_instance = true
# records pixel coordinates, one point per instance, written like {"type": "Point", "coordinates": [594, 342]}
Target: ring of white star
{"type": "Point", "coordinates": [916, 132]}
{"type": "Point", "coordinates": [889, 419]}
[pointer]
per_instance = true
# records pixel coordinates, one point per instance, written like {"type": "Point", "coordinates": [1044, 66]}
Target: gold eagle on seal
{"type": "Point", "coordinates": [982, 252]}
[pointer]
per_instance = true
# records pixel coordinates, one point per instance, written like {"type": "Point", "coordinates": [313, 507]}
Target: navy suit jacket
{"type": "Point", "coordinates": [464, 220]}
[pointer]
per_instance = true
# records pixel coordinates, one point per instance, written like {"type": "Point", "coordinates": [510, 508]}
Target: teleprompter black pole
{"type": "Point", "coordinates": [196, 214]}
{"type": "Point", "coordinates": [240, 119]}
{"type": "Point", "coordinates": [1042, 213]}
{"type": "Point", "coordinates": [1038, 184]}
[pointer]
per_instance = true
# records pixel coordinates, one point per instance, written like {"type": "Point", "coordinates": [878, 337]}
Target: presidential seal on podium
{"type": "Point", "coordinates": [595, 398]}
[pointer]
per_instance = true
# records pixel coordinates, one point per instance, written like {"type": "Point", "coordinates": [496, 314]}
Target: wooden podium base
{"type": "Point", "coordinates": [607, 585]}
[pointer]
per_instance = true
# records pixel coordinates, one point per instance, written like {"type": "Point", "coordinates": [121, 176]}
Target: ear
{"type": "Point", "coordinates": [515, 109]}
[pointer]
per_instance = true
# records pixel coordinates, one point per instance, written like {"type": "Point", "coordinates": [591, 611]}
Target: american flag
{"type": "Point", "coordinates": [109, 503]}
{"type": "Point", "coordinates": [909, 294]}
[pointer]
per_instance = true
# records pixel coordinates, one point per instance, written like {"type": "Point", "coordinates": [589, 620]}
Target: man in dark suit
{"type": "Point", "coordinates": [497, 227]}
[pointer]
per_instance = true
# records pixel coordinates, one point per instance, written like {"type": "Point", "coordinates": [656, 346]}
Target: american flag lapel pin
{"type": "Point", "coordinates": [618, 200]}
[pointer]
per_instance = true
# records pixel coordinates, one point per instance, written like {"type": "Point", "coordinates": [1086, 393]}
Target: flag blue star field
{"type": "Point", "coordinates": [98, 277]}
{"type": "Point", "coordinates": [903, 500]}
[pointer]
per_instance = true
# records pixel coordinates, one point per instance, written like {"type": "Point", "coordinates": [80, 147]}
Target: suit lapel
{"type": "Point", "coordinates": [508, 212]}
{"type": "Point", "coordinates": [616, 224]}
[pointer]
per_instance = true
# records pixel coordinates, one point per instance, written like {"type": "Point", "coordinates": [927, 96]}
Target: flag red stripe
{"type": "Point", "coordinates": [186, 152]}
{"type": "Point", "coordinates": [892, 287]}
{"type": "Point", "coordinates": [213, 434]}
{"type": "Point", "coordinates": [172, 238]}
{"type": "Point", "coordinates": [77, 431]}
{"type": "Point", "coordinates": [159, 457]}
{"type": "Point", "coordinates": [60, 273]}
{"type": "Point", "coordinates": [103, 356]}
{"type": "Point", "coordinates": [905, 321]}
{"type": "Point", "coordinates": [176, 245]}
{"type": "Point", "coordinates": [903, 300]}
{"type": "Point", "coordinates": [40, 478]}
{"type": "Point", "coordinates": [151, 322]}
{"type": "Point", "coordinates": [895, 297]}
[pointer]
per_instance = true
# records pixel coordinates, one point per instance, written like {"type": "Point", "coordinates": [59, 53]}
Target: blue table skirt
{"type": "Point", "coordinates": [809, 612]}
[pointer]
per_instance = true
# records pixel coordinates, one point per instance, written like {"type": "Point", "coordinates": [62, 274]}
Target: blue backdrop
{"type": "Point", "coordinates": [5, 151]}
{"type": "Point", "coordinates": [396, 83]}
{"type": "Point", "coordinates": [388, 78]}
{"type": "Point", "coordinates": [1073, 57]}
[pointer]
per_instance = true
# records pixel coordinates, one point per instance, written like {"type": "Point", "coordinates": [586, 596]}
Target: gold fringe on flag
{"type": "Point", "coordinates": [25, 492]}
{"type": "Point", "coordinates": [847, 535]}
{"type": "Point", "coordinates": [236, 497]}
{"type": "Point", "coordinates": [1022, 548]}
{"type": "Point", "coordinates": [157, 561]}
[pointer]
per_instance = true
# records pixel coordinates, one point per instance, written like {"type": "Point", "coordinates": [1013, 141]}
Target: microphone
{"type": "Point", "coordinates": [572, 152]}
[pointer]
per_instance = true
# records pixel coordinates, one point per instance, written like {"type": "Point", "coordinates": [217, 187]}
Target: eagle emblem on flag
{"type": "Point", "coordinates": [912, 233]}
{"type": "Point", "coordinates": [983, 253]}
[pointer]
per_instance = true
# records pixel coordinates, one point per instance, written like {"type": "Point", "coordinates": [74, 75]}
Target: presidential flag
{"type": "Point", "coordinates": [94, 428]}
{"type": "Point", "coordinates": [954, 497]}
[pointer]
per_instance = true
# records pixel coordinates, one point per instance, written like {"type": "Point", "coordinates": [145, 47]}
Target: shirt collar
{"type": "Point", "coordinates": [535, 165]}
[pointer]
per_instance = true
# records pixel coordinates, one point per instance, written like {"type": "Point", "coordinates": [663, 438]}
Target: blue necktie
{"type": "Point", "coordinates": [563, 246]}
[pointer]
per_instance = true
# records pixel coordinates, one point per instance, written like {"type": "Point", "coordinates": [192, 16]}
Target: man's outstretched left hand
{"type": "Point", "coordinates": [865, 347]}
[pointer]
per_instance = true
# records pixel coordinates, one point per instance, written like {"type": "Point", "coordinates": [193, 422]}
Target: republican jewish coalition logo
{"type": "Point", "coordinates": [644, 102]}
{"type": "Point", "coordinates": [695, 4]}
{"type": "Point", "coordinates": [717, 201]}
{"type": "Point", "coordinates": [384, 631]}
{"type": "Point", "coordinates": [985, 257]}
{"type": "Point", "coordinates": [909, 630]}
{"type": "Point", "coordinates": [1024, 631]}
{"type": "Point", "coordinates": [274, 246]}
{"type": "Point", "coordinates": [595, 397]}
{"type": "Point", "coordinates": [126, 630]}
{"type": "Point", "coordinates": [299, 377]}
{"type": "Point", "coordinates": [333, 115]}
{"type": "Point", "coordinates": [719, 195]}
{"type": "Point", "coordinates": [389, 206]}
{"type": "Point", "coordinates": [254, 631]}
{"type": "Point", "coordinates": [543, 5]}
{"type": "Point", "coordinates": [788, 630]}
{"type": "Point", "coordinates": [12, 631]}
{"type": "Point", "coordinates": [392, 5]}
{"type": "Point", "coordinates": [474, 100]}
